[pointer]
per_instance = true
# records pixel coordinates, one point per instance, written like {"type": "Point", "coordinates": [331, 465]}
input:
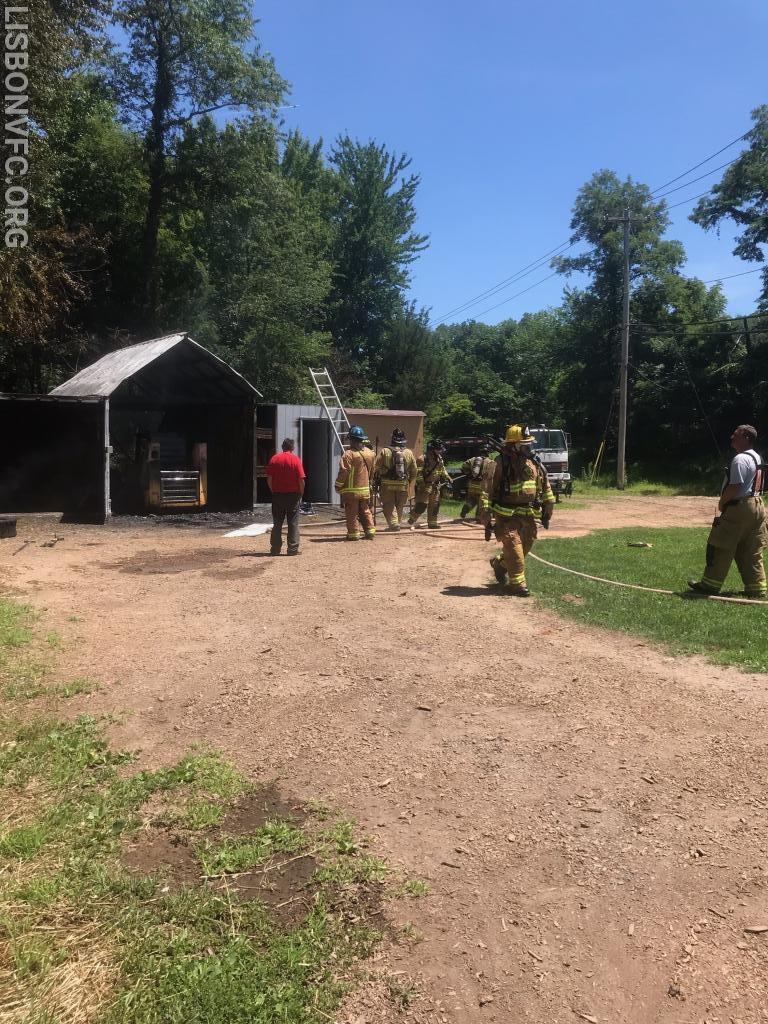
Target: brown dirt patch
{"type": "Point", "coordinates": [254, 810]}
{"type": "Point", "coordinates": [576, 890]}
{"type": "Point", "coordinates": [158, 851]}
{"type": "Point", "coordinates": [155, 563]}
{"type": "Point", "coordinates": [282, 884]}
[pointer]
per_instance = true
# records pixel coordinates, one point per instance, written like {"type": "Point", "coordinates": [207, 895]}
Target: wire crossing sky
{"type": "Point", "coordinates": [507, 109]}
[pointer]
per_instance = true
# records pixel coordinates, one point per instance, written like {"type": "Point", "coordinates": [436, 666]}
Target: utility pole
{"type": "Point", "coordinates": [621, 468]}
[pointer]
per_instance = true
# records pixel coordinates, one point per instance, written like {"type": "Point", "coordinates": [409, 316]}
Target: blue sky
{"type": "Point", "coordinates": [507, 108]}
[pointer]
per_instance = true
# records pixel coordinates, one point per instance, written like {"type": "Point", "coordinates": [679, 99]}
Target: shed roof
{"type": "Point", "coordinates": [384, 412]}
{"type": "Point", "coordinates": [105, 376]}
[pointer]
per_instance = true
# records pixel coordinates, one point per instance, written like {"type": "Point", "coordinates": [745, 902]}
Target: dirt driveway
{"type": "Point", "coordinates": [590, 813]}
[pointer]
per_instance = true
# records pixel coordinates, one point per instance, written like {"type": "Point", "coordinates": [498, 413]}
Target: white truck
{"type": "Point", "coordinates": [551, 446]}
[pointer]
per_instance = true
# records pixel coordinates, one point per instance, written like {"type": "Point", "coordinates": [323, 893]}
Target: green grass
{"type": "Point", "coordinates": [414, 888]}
{"type": "Point", "coordinates": [125, 947]}
{"type": "Point", "coordinates": [30, 686]}
{"type": "Point", "coordinates": [15, 628]}
{"type": "Point", "coordinates": [604, 487]}
{"type": "Point", "coordinates": [22, 672]}
{"type": "Point", "coordinates": [725, 633]}
{"type": "Point", "coordinates": [231, 855]}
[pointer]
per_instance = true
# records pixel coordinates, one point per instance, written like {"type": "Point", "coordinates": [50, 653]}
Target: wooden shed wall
{"type": "Point", "coordinates": [381, 422]}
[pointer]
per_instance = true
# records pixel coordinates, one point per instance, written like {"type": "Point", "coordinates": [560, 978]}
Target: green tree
{"type": "Point", "coordinates": [44, 283]}
{"type": "Point", "coordinates": [588, 348]}
{"type": "Point", "coordinates": [412, 366]}
{"type": "Point", "coordinates": [456, 416]}
{"type": "Point", "coordinates": [244, 257]}
{"type": "Point", "coordinates": [678, 350]}
{"type": "Point", "coordinates": [374, 243]}
{"type": "Point", "coordinates": [500, 374]}
{"type": "Point", "coordinates": [742, 196]}
{"type": "Point", "coordinates": [184, 59]}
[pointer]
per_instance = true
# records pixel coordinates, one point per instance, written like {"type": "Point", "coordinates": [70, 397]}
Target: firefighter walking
{"type": "Point", "coordinates": [431, 478]}
{"type": "Point", "coordinates": [478, 471]}
{"type": "Point", "coordinates": [395, 471]}
{"type": "Point", "coordinates": [519, 495]}
{"type": "Point", "coordinates": [353, 483]}
{"type": "Point", "coordinates": [740, 530]}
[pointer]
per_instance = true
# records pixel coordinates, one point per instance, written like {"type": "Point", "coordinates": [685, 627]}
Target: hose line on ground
{"type": "Point", "coordinates": [636, 586]}
{"type": "Point", "coordinates": [617, 583]}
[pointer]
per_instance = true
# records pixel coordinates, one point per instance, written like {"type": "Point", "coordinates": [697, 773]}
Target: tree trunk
{"type": "Point", "coordinates": [156, 146]}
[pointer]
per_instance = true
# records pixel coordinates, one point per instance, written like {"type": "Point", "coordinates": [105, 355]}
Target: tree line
{"type": "Point", "coordinates": [166, 194]}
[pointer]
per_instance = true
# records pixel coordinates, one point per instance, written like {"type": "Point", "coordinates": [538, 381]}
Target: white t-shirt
{"type": "Point", "coordinates": [742, 472]}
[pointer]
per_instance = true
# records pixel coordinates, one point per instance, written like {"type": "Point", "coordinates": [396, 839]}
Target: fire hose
{"type": "Point", "coordinates": [628, 586]}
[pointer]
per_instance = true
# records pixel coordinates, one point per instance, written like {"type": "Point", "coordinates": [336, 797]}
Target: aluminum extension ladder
{"type": "Point", "coordinates": [333, 407]}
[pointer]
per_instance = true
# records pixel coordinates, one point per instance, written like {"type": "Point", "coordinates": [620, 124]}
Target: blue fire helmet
{"type": "Point", "coordinates": [357, 434]}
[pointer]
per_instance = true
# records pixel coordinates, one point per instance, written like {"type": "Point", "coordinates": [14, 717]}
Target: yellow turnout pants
{"type": "Point", "coordinates": [740, 533]}
{"type": "Point", "coordinates": [393, 501]}
{"type": "Point", "coordinates": [427, 500]}
{"type": "Point", "coordinates": [516, 535]}
{"type": "Point", "coordinates": [358, 507]}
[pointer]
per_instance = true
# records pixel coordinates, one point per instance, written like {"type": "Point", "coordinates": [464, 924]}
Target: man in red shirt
{"type": "Point", "coordinates": [285, 476]}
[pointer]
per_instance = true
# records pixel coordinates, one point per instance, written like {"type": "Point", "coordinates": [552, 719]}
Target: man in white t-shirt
{"type": "Point", "coordinates": [740, 531]}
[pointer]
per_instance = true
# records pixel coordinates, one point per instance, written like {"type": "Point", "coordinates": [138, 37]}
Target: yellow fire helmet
{"type": "Point", "coordinates": [518, 434]}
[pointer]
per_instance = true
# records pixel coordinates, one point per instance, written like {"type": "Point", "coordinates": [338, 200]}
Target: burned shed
{"type": "Point", "coordinates": [159, 425]}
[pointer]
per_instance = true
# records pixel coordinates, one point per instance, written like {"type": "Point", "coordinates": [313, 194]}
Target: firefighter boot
{"type": "Point", "coordinates": [419, 508]}
{"type": "Point", "coordinates": [518, 590]}
{"type": "Point", "coordinates": [499, 570]}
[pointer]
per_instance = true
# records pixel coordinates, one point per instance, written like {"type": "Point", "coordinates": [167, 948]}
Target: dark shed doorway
{"type": "Point", "coordinates": [55, 456]}
{"type": "Point", "coordinates": [316, 455]}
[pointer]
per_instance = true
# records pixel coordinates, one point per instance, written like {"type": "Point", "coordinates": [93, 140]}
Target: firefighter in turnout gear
{"type": "Point", "coordinates": [740, 530]}
{"type": "Point", "coordinates": [519, 494]}
{"type": "Point", "coordinates": [353, 484]}
{"type": "Point", "coordinates": [395, 471]}
{"type": "Point", "coordinates": [432, 477]}
{"type": "Point", "coordinates": [478, 472]}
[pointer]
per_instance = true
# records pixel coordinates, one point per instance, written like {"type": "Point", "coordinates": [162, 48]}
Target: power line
{"type": "Point", "coordinates": [536, 264]}
{"type": "Point", "coordinates": [693, 181]}
{"type": "Point", "coordinates": [673, 332]}
{"type": "Point", "coordinates": [530, 286]}
{"type": "Point", "coordinates": [757, 270]}
{"type": "Point", "coordinates": [702, 323]}
{"type": "Point", "coordinates": [529, 268]}
{"type": "Point", "coordinates": [684, 202]}
{"type": "Point", "coordinates": [700, 164]}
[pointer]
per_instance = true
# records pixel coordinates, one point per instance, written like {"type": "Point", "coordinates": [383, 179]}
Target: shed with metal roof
{"type": "Point", "coordinates": [161, 424]}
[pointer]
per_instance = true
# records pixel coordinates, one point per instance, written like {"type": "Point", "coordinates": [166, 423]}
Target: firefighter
{"type": "Point", "coordinates": [431, 478]}
{"type": "Point", "coordinates": [353, 484]}
{"type": "Point", "coordinates": [519, 494]}
{"type": "Point", "coordinates": [478, 471]}
{"type": "Point", "coordinates": [396, 471]}
{"type": "Point", "coordinates": [740, 530]}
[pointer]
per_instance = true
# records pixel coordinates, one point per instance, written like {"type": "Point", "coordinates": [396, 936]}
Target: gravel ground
{"type": "Point", "coordinates": [589, 812]}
